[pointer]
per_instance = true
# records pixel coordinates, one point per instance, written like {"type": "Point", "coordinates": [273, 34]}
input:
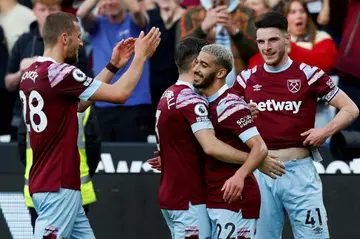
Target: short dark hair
{"type": "Point", "coordinates": [188, 49]}
{"type": "Point", "coordinates": [56, 24]}
{"type": "Point", "coordinates": [272, 19]}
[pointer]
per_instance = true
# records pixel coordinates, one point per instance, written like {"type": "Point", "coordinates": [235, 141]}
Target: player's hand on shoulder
{"type": "Point", "coordinates": [272, 167]}
{"type": "Point", "coordinates": [315, 137]}
{"type": "Point", "coordinates": [232, 188]}
{"type": "Point", "coordinates": [145, 46]}
{"type": "Point", "coordinates": [155, 162]}
{"type": "Point", "coordinates": [26, 62]}
{"type": "Point", "coordinates": [122, 52]}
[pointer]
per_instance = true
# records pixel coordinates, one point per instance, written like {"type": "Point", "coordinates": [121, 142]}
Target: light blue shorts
{"type": "Point", "coordinates": [299, 194]}
{"type": "Point", "coordinates": [191, 223]}
{"type": "Point", "coordinates": [61, 215]}
{"type": "Point", "coordinates": [229, 224]}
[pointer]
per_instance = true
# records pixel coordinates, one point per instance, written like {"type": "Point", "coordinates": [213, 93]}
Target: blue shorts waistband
{"type": "Point", "coordinates": [298, 162]}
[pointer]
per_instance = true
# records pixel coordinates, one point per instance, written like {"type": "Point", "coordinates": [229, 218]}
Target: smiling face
{"type": "Point", "coordinates": [205, 70]}
{"type": "Point", "coordinates": [272, 44]}
{"type": "Point", "coordinates": [297, 19]}
{"type": "Point", "coordinates": [73, 44]}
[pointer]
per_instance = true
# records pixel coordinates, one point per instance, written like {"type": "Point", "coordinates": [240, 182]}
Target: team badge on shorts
{"type": "Point", "coordinates": [50, 233]}
{"type": "Point", "coordinates": [192, 232]}
{"type": "Point", "coordinates": [294, 85]}
{"type": "Point", "coordinates": [243, 233]}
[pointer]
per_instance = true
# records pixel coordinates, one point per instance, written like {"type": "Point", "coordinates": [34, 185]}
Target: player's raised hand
{"type": "Point", "coordinates": [253, 109]}
{"type": "Point", "coordinates": [122, 52]}
{"type": "Point", "coordinates": [155, 162]}
{"type": "Point", "coordinates": [272, 167]}
{"type": "Point", "coordinates": [145, 46]}
{"type": "Point", "coordinates": [315, 137]}
{"type": "Point", "coordinates": [232, 188]}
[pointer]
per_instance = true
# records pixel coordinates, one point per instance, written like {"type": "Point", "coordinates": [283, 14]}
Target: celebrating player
{"type": "Point", "coordinates": [182, 129]}
{"type": "Point", "coordinates": [232, 216]}
{"type": "Point", "coordinates": [286, 94]}
{"type": "Point", "coordinates": [50, 91]}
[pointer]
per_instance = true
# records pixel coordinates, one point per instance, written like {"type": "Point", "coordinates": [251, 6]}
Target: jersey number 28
{"type": "Point", "coordinates": [34, 110]}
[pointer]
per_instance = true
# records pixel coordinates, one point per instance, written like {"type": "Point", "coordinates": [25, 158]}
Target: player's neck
{"type": "Point", "coordinates": [189, 78]}
{"type": "Point", "coordinates": [283, 61]}
{"type": "Point", "coordinates": [54, 54]}
{"type": "Point", "coordinates": [215, 87]}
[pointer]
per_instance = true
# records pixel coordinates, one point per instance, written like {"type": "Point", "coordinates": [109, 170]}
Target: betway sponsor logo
{"type": "Point", "coordinates": [273, 105]}
{"type": "Point", "coordinates": [108, 165]}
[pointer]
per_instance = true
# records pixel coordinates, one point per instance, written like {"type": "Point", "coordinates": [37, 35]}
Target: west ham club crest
{"type": "Point", "coordinates": [293, 85]}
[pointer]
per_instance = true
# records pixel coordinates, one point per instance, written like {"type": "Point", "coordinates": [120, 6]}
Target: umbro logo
{"type": "Point", "coordinates": [257, 87]}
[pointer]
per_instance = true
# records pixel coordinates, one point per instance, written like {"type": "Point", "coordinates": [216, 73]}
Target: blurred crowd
{"type": "Point", "coordinates": [324, 34]}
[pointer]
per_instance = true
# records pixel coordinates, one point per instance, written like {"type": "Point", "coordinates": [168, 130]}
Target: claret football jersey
{"type": "Point", "coordinates": [286, 99]}
{"type": "Point", "coordinates": [50, 93]}
{"type": "Point", "coordinates": [233, 124]}
{"type": "Point", "coordinates": [181, 112]}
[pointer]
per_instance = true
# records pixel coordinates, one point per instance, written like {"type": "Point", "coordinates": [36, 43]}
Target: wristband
{"type": "Point", "coordinates": [112, 68]}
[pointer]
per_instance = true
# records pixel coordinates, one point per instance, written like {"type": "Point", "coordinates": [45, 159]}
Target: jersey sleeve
{"type": "Point", "coordinates": [195, 110]}
{"type": "Point", "coordinates": [241, 80]}
{"type": "Point", "coordinates": [321, 84]}
{"type": "Point", "coordinates": [69, 80]}
{"type": "Point", "coordinates": [235, 116]}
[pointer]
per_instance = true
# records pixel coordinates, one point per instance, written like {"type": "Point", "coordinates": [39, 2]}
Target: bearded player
{"type": "Point", "coordinates": [232, 216]}
{"type": "Point", "coordinates": [184, 132]}
{"type": "Point", "coordinates": [50, 92]}
{"type": "Point", "coordinates": [286, 94]}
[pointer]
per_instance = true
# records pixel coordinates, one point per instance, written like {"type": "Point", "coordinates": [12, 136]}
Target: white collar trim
{"type": "Point", "coordinates": [217, 94]}
{"type": "Point", "coordinates": [279, 69]}
{"type": "Point", "coordinates": [181, 82]}
{"type": "Point", "coordinates": [44, 58]}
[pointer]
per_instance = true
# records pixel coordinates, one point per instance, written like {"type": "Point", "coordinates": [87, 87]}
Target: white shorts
{"type": "Point", "coordinates": [229, 224]}
{"type": "Point", "coordinates": [191, 223]}
{"type": "Point", "coordinates": [61, 215]}
{"type": "Point", "coordinates": [299, 193]}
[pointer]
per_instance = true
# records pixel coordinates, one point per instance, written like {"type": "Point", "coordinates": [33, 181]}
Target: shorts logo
{"type": "Point", "coordinates": [294, 85]}
{"type": "Point", "coordinates": [200, 110]}
{"type": "Point", "coordinates": [317, 230]}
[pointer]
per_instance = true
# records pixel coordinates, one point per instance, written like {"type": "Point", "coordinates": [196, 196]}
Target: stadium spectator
{"type": "Point", "coordinates": [128, 122]}
{"type": "Point", "coordinates": [27, 48]}
{"type": "Point", "coordinates": [259, 6]}
{"type": "Point", "coordinates": [6, 107]}
{"type": "Point", "coordinates": [69, 6]}
{"type": "Point", "coordinates": [227, 24]}
{"type": "Point", "coordinates": [163, 71]}
{"type": "Point", "coordinates": [308, 44]}
{"type": "Point", "coordinates": [347, 62]}
{"type": "Point", "coordinates": [15, 20]}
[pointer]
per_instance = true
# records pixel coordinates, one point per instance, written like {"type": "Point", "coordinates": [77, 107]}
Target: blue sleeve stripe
{"type": "Point", "coordinates": [92, 88]}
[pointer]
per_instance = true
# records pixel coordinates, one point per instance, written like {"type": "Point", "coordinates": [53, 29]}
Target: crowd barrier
{"type": "Point", "coordinates": [126, 189]}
